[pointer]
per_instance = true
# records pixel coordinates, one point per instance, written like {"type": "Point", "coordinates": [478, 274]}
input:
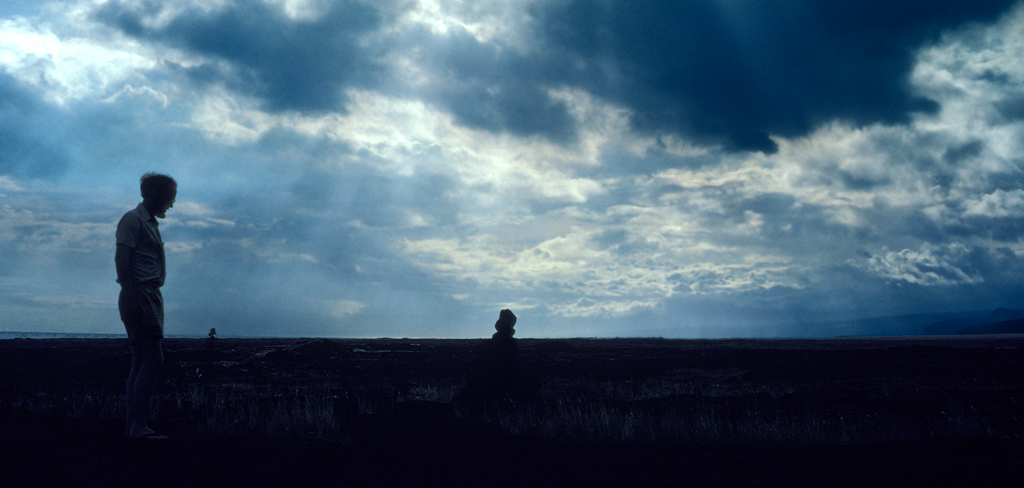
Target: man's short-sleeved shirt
{"type": "Point", "coordinates": [139, 231]}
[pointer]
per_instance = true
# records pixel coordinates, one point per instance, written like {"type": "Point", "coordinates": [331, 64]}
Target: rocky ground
{"type": "Point", "coordinates": [846, 412]}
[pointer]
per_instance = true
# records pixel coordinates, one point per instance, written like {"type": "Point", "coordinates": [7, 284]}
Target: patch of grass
{"type": "Point", "coordinates": [708, 409]}
{"type": "Point", "coordinates": [239, 408]}
{"type": "Point", "coordinates": [322, 389]}
{"type": "Point", "coordinates": [734, 412]}
{"type": "Point", "coordinates": [244, 408]}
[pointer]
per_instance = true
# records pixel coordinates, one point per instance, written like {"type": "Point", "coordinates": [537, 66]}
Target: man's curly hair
{"type": "Point", "coordinates": [156, 187]}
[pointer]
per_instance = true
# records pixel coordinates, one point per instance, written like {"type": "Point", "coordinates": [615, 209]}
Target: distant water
{"type": "Point", "coordinates": [6, 334]}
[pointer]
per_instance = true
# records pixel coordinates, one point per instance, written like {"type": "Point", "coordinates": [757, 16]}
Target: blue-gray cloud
{"type": "Point", "coordinates": [1011, 109]}
{"type": "Point", "coordinates": [29, 145]}
{"type": "Point", "coordinates": [730, 74]}
{"type": "Point", "coordinates": [288, 64]}
{"type": "Point", "coordinates": [735, 73]}
{"type": "Point", "coordinates": [490, 87]}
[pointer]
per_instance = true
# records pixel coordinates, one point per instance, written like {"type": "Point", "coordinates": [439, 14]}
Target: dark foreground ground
{"type": "Point", "coordinates": [626, 412]}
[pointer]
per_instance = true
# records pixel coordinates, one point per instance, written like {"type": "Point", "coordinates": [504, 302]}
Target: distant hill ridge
{"type": "Point", "coordinates": [1000, 321]}
{"type": "Point", "coordinates": [1004, 327]}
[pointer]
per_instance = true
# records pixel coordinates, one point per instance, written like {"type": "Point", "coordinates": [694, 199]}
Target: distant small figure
{"type": "Point", "coordinates": [497, 373]}
{"type": "Point", "coordinates": [213, 333]}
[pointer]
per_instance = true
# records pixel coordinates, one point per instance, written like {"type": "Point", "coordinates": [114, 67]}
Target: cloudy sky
{"type": "Point", "coordinates": [704, 168]}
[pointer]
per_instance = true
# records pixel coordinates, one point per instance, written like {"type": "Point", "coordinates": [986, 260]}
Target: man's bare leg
{"type": "Point", "coordinates": [147, 361]}
{"type": "Point", "coordinates": [130, 391]}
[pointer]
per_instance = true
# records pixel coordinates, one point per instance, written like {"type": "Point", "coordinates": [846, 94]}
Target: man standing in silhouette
{"type": "Point", "coordinates": [140, 271]}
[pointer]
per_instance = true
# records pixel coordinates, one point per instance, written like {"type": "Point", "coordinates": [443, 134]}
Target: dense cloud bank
{"type": "Point", "coordinates": [256, 49]}
{"type": "Point", "coordinates": [721, 73]}
{"type": "Point", "coordinates": [602, 168]}
{"type": "Point", "coordinates": [737, 73]}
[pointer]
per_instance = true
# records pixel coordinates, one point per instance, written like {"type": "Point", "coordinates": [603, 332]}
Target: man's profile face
{"type": "Point", "coordinates": [162, 209]}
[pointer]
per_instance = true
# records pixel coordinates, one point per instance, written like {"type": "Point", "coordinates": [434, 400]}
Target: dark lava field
{"type": "Point", "coordinates": [908, 411]}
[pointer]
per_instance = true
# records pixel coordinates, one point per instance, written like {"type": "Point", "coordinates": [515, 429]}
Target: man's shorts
{"type": "Point", "coordinates": [148, 317]}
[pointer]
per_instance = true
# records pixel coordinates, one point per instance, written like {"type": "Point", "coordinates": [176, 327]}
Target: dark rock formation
{"type": "Point", "coordinates": [497, 372]}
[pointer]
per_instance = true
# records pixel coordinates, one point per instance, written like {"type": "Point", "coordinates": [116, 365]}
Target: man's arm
{"type": "Point", "coordinates": [123, 263]}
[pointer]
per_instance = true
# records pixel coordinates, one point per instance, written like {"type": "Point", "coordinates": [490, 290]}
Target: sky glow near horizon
{"type": "Point", "coordinates": [710, 168]}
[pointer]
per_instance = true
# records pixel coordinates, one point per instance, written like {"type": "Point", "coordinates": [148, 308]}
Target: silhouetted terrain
{"type": "Point", "coordinates": [926, 411]}
{"type": "Point", "coordinates": [1004, 327]}
{"type": "Point", "coordinates": [978, 325]}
